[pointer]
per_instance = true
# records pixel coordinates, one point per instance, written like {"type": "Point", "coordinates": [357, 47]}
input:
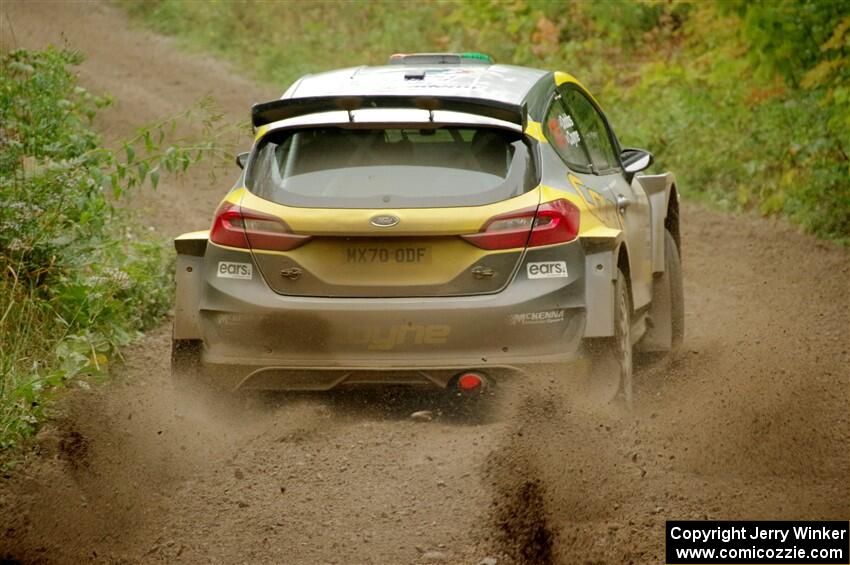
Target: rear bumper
{"type": "Point", "coordinates": [255, 338]}
{"type": "Point", "coordinates": [318, 378]}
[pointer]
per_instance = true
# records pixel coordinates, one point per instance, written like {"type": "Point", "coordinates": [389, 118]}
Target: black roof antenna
{"type": "Point", "coordinates": [350, 104]}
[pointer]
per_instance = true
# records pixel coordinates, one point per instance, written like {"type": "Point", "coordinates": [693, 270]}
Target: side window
{"type": "Point", "coordinates": [561, 131]}
{"type": "Point", "coordinates": [592, 128]}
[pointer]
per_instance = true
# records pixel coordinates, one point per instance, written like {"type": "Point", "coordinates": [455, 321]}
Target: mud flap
{"type": "Point", "coordinates": [187, 302]}
{"type": "Point", "coordinates": [600, 271]}
{"type": "Point", "coordinates": [657, 188]}
{"type": "Point", "coordinates": [190, 263]}
{"type": "Point", "coordinates": [658, 337]}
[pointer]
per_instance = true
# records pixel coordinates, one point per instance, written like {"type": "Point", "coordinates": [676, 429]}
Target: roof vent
{"type": "Point", "coordinates": [440, 59]}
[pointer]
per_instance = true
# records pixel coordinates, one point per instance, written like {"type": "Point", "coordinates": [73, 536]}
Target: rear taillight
{"type": "Point", "coordinates": [556, 222]}
{"type": "Point", "coordinates": [553, 222]}
{"type": "Point", "coordinates": [235, 226]}
{"type": "Point", "coordinates": [504, 232]}
{"type": "Point", "coordinates": [228, 228]}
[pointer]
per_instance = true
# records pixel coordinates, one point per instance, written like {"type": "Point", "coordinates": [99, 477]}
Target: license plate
{"type": "Point", "coordinates": [387, 255]}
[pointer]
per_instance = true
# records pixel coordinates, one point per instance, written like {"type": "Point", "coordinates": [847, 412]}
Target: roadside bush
{"type": "Point", "coordinates": [78, 278]}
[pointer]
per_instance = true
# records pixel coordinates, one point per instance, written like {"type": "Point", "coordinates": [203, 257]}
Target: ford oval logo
{"type": "Point", "coordinates": [384, 220]}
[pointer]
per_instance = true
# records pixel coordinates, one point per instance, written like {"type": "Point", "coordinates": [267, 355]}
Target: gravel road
{"type": "Point", "coordinates": [750, 421]}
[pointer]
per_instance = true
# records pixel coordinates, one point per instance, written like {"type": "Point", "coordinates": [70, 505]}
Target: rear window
{"type": "Point", "coordinates": [390, 167]}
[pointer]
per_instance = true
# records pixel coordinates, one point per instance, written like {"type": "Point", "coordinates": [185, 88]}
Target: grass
{"type": "Point", "coordinates": [78, 277]}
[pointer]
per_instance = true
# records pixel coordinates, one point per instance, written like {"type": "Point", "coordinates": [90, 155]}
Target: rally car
{"type": "Point", "coordinates": [441, 221]}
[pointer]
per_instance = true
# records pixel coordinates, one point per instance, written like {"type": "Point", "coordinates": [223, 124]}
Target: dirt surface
{"type": "Point", "coordinates": [750, 421]}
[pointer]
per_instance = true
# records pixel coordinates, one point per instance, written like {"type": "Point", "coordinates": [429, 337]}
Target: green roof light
{"type": "Point", "coordinates": [478, 56]}
{"type": "Point", "coordinates": [468, 58]}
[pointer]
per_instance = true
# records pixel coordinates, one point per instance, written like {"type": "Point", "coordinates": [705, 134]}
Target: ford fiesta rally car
{"type": "Point", "coordinates": [441, 221]}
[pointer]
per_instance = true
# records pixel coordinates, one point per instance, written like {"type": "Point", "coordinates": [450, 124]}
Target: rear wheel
{"type": "Point", "coordinates": [673, 274]}
{"type": "Point", "coordinates": [667, 314]}
{"type": "Point", "coordinates": [196, 394]}
{"type": "Point", "coordinates": [612, 372]}
{"type": "Point", "coordinates": [186, 365]}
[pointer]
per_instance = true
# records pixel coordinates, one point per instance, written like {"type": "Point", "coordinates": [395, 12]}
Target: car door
{"type": "Point", "coordinates": [626, 201]}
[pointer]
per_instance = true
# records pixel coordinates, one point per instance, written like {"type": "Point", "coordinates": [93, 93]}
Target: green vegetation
{"type": "Point", "coordinates": [78, 278]}
{"type": "Point", "coordinates": [748, 102]}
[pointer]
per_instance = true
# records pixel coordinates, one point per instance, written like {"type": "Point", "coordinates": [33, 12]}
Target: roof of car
{"type": "Point", "coordinates": [502, 83]}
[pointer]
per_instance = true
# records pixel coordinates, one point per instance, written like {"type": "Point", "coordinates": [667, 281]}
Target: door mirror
{"type": "Point", "coordinates": [636, 160]}
{"type": "Point", "coordinates": [242, 159]}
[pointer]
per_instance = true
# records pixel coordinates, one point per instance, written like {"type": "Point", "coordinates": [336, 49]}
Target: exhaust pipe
{"type": "Point", "coordinates": [470, 383]}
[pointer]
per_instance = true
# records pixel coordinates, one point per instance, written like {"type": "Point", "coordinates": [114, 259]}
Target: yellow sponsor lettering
{"type": "Point", "coordinates": [379, 342]}
{"type": "Point", "coordinates": [388, 338]}
{"type": "Point", "coordinates": [437, 334]}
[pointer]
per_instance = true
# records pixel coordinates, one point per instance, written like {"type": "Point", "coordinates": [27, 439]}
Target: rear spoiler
{"type": "Point", "coordinates": [268, 112]}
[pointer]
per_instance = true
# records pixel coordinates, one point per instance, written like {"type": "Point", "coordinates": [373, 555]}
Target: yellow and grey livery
{"type": "Point", "coordinates": [426, 220]}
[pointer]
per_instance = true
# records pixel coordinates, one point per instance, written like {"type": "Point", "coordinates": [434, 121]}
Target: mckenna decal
{"type": "Point", "coordinates": [228, 270]}
{"type": "Point", "coordinates": [544, 317]}
{"type": "Point", "coordinates": [547, 270]}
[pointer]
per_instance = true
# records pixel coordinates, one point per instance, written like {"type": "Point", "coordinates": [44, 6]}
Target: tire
{"type": "Point", "coordinates": [194, 392]}
{"type": "Point", "coordinates": [673, 274]}
{"type": "Point", "coordinates": [612, 367]}
{"type": "Point", "coordinates": [186, 366]}
{"type": "Point", "coordinates": [666, 330]}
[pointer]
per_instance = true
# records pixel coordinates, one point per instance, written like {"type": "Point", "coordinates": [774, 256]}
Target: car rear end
{"type": "Point", "coordinates": [376, 251]}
